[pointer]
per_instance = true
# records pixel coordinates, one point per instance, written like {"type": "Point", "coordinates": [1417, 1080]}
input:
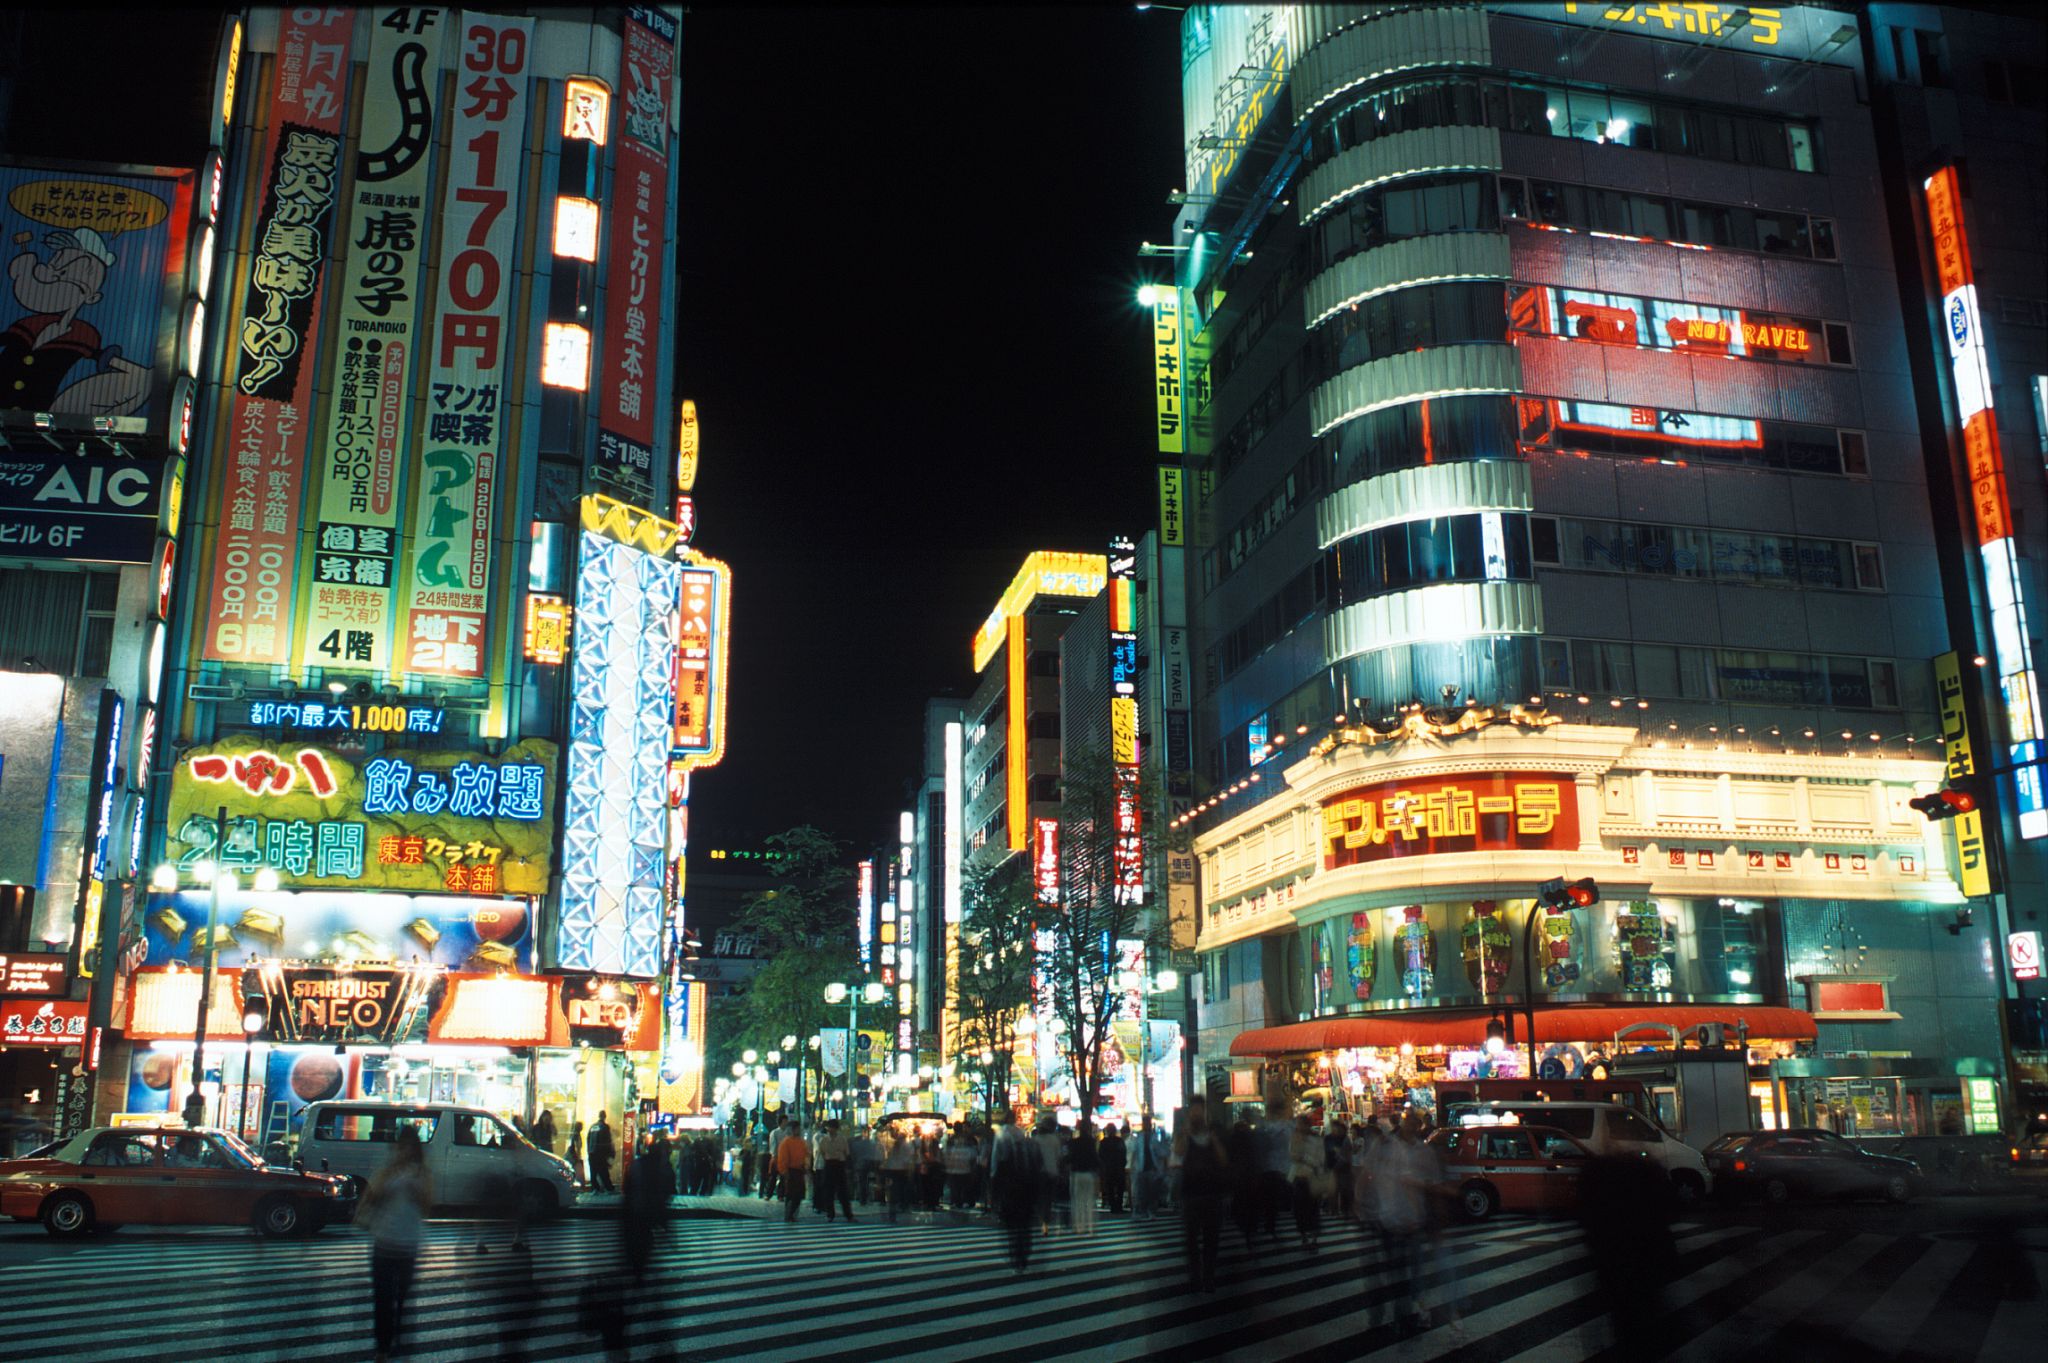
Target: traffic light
{"type": "Point", "coordinates": [255, 1012]}
{"type": "Point", "coordinates": [1957, 797]}
{"type": "Point", "coordinates": [1559, 895]}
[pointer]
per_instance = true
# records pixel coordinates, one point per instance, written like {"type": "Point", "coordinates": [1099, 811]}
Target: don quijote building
{"type": "Point", "coordinates": [1537, 385]}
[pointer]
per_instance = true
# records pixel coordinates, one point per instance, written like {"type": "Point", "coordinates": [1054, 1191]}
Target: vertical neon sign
{"type": "Point", "coordinates": [1963, 327]}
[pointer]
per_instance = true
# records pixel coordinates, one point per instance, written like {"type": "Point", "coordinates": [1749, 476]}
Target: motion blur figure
{"type": "Point", "coordinates": [1016, 1168]}
{"type": "Point", "coordinates": [1625, 1204]}
{"type": "Point", "coordinates": [393, 1210]}
{"type": "Point", "coordinates": [1198, 1153]}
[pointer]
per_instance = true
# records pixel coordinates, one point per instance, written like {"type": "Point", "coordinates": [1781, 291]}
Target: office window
{"type": "Point", "coordinates": [1855, 456]}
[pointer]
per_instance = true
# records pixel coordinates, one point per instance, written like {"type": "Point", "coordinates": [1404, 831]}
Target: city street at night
{"type": "Point", "coordinates": [1849, 1283]}
{"type": "Point", "coordinates": [997, 684]}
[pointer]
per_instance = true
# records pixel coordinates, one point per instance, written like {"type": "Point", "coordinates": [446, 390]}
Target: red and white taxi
{"type": "Point", "coordinates": [107, 1177]}
{"type": "Point", "coordinates": [1513, 1168]}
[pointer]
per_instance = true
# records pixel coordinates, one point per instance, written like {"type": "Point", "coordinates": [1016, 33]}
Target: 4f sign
{"type": "Point", "coordinates": [2023, 954]}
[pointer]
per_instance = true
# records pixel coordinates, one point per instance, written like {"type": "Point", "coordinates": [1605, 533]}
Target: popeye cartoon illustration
{"type": "Point", "coordinates": [51, 360]}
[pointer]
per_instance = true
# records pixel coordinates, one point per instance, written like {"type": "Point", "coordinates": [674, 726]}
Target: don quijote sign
{"type": "Point", "coordinates": [340, 1004]}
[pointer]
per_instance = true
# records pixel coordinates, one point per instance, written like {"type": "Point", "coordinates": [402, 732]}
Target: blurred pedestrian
{"type": "Point", "coordinates": [792, 1163]}
{"type": "Point", "coordinates": [575, 1154]}
{"type": "Point", "coordinates": [598, 1148]}
{"type": "Point", "coordinates": [1084, 1169]}
{"type": "Point", "coordinates": [1116, 1170]}
{"type": "Point", "coordinates": [1052, 1155]}
{"type": "Point", "coordinates": [899, 1167]}
{"type": "Point", "coordinates": [1204, 1167]}
{"type": "Point", "coordinates": [1016, 1168]}
{"type": "Point", "coordinates": [1275, 1137]}
{"type": "Point", "coordinates": [393, 1210]}
{"type": "Point", "coordinates": [864, 1155]}
{"type": "Point", "coordinates": [1337, 1154]}
{"type": "Point", "coordinates": [1400, 1184]}
{"type": "Point", "coordinates": [1308, 1174]}
{"type": "Point", "coordinates": [544, 1130]}
{"type": "Point", "coordinates": [1242, 1149]}
{"type": "Point", "coordinates": [1148, 1169]}
{"type": "Point", "coordinates": [962, 1154]}
{"type": "Point", "coordinates": [834, 1150]}
{"type": "Point", "coordinates": [1625, 1206]}
{"type": "Point", "coordinates": [746, 1164]}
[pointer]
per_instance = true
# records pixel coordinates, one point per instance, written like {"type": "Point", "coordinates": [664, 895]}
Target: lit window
{"type": "Point", "coordinates": [576, 228]}
{"type": "Point", "coordinates": [565, 356]}
{"type": "Point", "coordinates": [586, 110]}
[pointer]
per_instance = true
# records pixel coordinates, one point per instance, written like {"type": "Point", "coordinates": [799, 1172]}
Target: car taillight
{"type": "Point", "coordinates": [1741, 1165]}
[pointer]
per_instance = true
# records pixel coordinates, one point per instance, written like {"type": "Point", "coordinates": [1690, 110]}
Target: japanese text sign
{"type": "Point", "coordinates": [634, 279]}
{"type": "Point", "coordinates": [360, 458]}
{"type": "Point", "coordinates": [269, 427]}
{"type": "Point", "coordinates": [1438, 815]}
{"type": "Point", "coordinates": [1166, 368]}
{"type": "Point", "coordinates": [447, 822]}
{"type": "Point", "coordinates": [461, 461]}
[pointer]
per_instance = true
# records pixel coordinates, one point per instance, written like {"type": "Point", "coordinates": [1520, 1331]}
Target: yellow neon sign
{"type": "Point", "coordinates": [1048, 572]}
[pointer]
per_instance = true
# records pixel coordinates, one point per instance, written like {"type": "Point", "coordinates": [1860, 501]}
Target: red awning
{"type": "Point", "coordinates": [1467, 1026]}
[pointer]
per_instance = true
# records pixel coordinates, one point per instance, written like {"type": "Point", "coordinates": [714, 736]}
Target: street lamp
{"type": "Point", "coordinates": [219, 881]}
{"type": "Point", "coordinates": [252, 1023]}
{"type": "Point", "coordinates": [853, 996]}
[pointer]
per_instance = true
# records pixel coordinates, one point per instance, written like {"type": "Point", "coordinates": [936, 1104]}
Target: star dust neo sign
{"type": "Point", "coordinates": [1510, 811]}
{"type": "Point", "coordinates": [438, 822]}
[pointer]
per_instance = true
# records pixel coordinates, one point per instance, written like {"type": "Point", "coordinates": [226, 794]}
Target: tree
{"type": "Point", "coordinates": [1082, 966]}
{"type": "Point", "coordinates": [992, 986]}
{"type": "Point", "coordinates": [804, 924]}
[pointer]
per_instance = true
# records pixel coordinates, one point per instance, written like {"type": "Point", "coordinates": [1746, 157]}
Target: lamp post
{"type": "Point", "coordinates": [252, 1023]}
{"type": "Point", "coordinates": [1145, 984]}
{"type": "Point", "coordinates": [218, 879]}
{"type": "Point", "coordinates": [853, 996]}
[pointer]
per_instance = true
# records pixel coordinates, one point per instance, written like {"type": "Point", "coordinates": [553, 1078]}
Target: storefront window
{"type": "Point", "coordinates": [1646, 940]}
{"type": "Point", "coordinates": [1414, 952]}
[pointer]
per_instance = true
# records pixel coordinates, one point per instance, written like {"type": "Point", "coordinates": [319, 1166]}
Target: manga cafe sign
{"type": "Point", "coordinates": [1509, 811]}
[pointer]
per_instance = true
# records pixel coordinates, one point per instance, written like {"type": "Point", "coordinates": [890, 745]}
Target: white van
{"type": "Point", "coordinates": [1605, 1129]}
{"type": "Point", "coordinates": [472, 1157]}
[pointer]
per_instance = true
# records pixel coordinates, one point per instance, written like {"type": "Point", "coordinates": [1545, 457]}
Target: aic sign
{"type": "Point", "coordinates": [1505, 811]}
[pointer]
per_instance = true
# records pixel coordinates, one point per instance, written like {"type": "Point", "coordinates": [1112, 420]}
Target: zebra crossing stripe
{"type": "Point", "coordinates": [1768, 1312]}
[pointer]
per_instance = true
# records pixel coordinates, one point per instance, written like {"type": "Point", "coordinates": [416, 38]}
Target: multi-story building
{"type": "Point", "coordinates": [1559, 510]}
{"type": "Point", "coordinates": [401, 801]}
{"type": "Point", "coordinates": [109, 264]}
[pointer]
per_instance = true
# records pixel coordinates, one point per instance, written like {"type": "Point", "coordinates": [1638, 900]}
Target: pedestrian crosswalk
{"type": "Point", "coordinates": [910, 1293]}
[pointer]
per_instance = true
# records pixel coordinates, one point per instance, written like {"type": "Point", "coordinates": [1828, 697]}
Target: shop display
{"type": "Point", "coordinates": [1361, 955]}
{"type": "Point", "coordinates": [1487, 947]}
{"type": "Point", "coordinates": [1557, 947]}
{"type": "Point", "coordinates": [1648, 945]}
{"type": "Point", "coordinates": [1321, 969]}
{"type": "Point", "coordinates": [1415, 949]}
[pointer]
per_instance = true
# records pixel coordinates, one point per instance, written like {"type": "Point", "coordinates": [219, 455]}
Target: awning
{"type": "Point", "coordinates": [1435, 1027]}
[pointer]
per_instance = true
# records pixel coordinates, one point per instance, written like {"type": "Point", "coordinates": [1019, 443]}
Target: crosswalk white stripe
{"type": "Point", "coordinates": [1892, 1318]}
{"type": "Point", "coordinates": [2017, 1327]}
{"type": "Point", "coordinates": [1763, 1315]}
{"type": "Point", "coordinates": [1684, 1292]}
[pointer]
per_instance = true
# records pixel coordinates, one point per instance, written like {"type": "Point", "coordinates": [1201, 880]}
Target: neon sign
{"type": "Point", "coordinates": [1969, 367]}
{"type": "Point", "coordinates": [369, 719]}
{"type": "Point", "coordinates": [1505, 812]}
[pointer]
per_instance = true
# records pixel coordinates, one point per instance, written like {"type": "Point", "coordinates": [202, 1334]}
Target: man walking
{"type": "Point", "coordinates": [833, 1152]}
{"type": "Point", "coordinates": [597, 1145]}
{"type": "Point", "coordinates": [792, 1162]}
{"type": "Point", "coordinates": [1116, 1177]}
{"type": "Point", "coordinates": [1016, 1168]}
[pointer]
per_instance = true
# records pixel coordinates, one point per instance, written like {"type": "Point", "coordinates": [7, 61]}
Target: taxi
{"type": "Point", "coordinates": [106, 1177]}
{"type": "Point", "coordinates": [1512, 1168]}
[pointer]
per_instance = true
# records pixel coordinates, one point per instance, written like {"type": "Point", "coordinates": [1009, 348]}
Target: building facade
{"type": "Point", "coordinates": [430, 826]}
{"type": "Point", "coordinates": [1547, 389]}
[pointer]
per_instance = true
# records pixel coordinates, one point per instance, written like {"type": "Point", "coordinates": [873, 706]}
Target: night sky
{"type": "Point", "coordinates": [909, 261]}
{"type": "Point", "coordinates": [907, 314]}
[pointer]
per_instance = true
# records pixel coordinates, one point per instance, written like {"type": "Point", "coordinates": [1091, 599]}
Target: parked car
{"type": "Point", "coordinates": [1809, 1162]}
{"type": "Point", "coordinates": [1512, 1168]}
{"type": "Point", "coordinates": [473, 1159]}
{"type": "Point", "coordinates": [106, 1177]}
{"type": "Point", "coordinates": [1605, 1129]}
{"type": "Point", "coordinates": [2030, 1154]}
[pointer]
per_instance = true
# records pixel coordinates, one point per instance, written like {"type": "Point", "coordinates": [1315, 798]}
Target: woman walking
{"type": "Point", "coordinates": [1308, 1171]}
{"type": "Point", "coordinates": [393, 1210]}
{"type": "Point", "coordinates": [1084, 1164]}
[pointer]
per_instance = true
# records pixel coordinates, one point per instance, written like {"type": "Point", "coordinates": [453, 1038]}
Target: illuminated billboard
{"type": "Point", "coordinates": [1166, 375]}
{"type": "Point", "coordinates": [250, 605]}
{"type": "Point", "coordinates": [1962, 327]}
{"type": "Point", "coordinates": [629, 376]}
{"type": "Point", "coordinates": [615, 824]}
{"type": "Point", "coordinates": [462, 461]}
{"type": "Point", "coordinates": [359, 465]}
{"type": "Point", "coordinates": [95, 251]}
{"type": "Point", "coordinates": [704, 621]}
{"type": "Point", "coordinates": [438, 821]}
{"type": "Point", "coordinates": [453, 932]}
